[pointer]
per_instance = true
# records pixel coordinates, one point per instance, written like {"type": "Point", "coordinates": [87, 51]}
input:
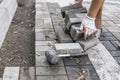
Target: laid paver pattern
{"type": "Point", "coordinates": [69, 68]}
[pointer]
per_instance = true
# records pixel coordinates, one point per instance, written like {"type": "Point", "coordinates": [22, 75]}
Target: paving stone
{"type": "Point", "coordinates": [43, 30]}
{"type": "Point", "coordinates": [107, 38]}
{"type": "Point", "coordinates": [75, 32]}
{"type": "Point", "coordinates": [42, 16]}
{"type": "Point", "coordinates": [50, 36]}
{"type": "Point", "coordinates": [62, 36]}
{"type": "Point", "coordinates": [70, 7]}
{"type": "Point", "coordinates": [42, 9]}
{"type": "Point", "coordinates": [53, 5]}
{"type": "Point", "coordinates": [39, 23]}
{"type": "Point", "coordinates": [66, 48]}
{"type": "Point", "coordinates": [106, 34]}
{"type": "Point", "coordinates": [83, 60]}
{"type": "Point", "coordinates": [113, 29]}
{"type": "Point", "coordinates": [61, 77]}
{"type": "Point", "coordinates": [104, 30]}
{"type": "Point", "coordinates": [50, 71]}
{"type": "Point", "coordinates": [10, 6]}
{"type": "Point", "coordinates": [115, 53]}
{"type": "Point", "coordinates": [45, 43]}
{"type": "Point", "coordinates": [41, 5]}
{"type": "Point", "coordinates": [117, 35]}
{"type": "Point", "coordinates": [73, 18]}
{"type": "Point", "coordinates": [40, 36]}
{"type": "Point", "coordinates": [4, 22]}
{"type": "Point", "coordinates": [115, 43]}
{"type": "Point", "coordinates": [42, 62]}
{"type": "Point", "coordinates": [108, 45]}
{"type": "Point", "coordinates": [74, 15]}
{"type": "Point", "coordinates": [42, 48]}
{"type": "Point", "coordinates": [117, 59]}
{"type": "Point", "coordinates": [74, 71]}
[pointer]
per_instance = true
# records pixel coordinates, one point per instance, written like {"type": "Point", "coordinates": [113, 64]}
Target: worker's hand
{"type": "Point", "coordinates": [88, 27]}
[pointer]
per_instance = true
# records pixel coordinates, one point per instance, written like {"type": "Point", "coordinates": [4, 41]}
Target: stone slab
{"type": "Point", "coordinates": [108, 45]}
{"type": "Point", "coordinates": [61, 77]}
{"type": "Point", "coordinates": [70, 7]}
{"type": "Point", "coordinates": [66, 48]}
{"type": "Point", "coordinates": [4, 22]}
{"type": "Point", "coordinates": [40, 36]}
{"type": "Point", "coordinates": [42, 48]}
{"type": "Point", "coordinates": [105, 65]}
{"type": "Point", "coordinates": [75, 32]}
{"type": "Point", "coordinates": [45, 43]}
{"type": "Point", "coordinates": [27, 73]}
{"type": "Point", "coordinates": [62, 36]}
{"type": "Point", "coordinates": [11, 73]}
{"type": "Point", "coordinates": [50, 71]}
{"type": "Point", "coordinates": [10, 6]}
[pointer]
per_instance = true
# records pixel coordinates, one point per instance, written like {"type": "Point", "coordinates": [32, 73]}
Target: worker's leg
{"type": "Point", "coordinates": [96, 5]}
{"type": "Point", "coordinates": [98, 21]}
{"type": "Point", "coordinates": [79, 1]}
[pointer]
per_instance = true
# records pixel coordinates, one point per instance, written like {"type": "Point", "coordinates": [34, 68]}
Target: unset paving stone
{"type": "Point", "coordinates": [70, 7]}
{"type": "Point", "coordinates": [108, 45]}
{"type": "Point", "coordinates": [75, 32]}
{"type": "Point", "coordinates": [74, 14]}
{"type": "Point", "coordinates": [73, 18]}
{"type": "Point", "coordinates": [61, 77]}
{"type": "Point", "coordinates": [50, 71]}
{"type": "Point", "coordinates": [41, 60]}
{"type": "Point", "coordinates": [66, 48]}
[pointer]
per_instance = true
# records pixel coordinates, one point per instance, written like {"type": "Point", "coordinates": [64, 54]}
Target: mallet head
{"type": "Point", "coordinates": [52, 56]}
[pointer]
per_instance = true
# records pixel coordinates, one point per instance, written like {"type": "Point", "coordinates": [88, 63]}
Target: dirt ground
{"type": "Point", "coordinates": [18, 47]}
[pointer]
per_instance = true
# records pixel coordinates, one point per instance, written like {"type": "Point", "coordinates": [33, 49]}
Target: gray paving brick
{"type": "Point", "coordinates": [45, 43]}
{"type": "Point", "coordinates": [41, 5]}
{"type": "Point", "coordinates": [83, 60]}
{"type": "Point", "coordinates": [42, 48]}
{"type": "Point", "coordinates": [50, 36]}
{"type": "Point", "coordinates": [106, 34]}
{"type": "Point", "coordinates": [117, 59]}
{"type": "Point", "coordinates": [115, 53]}
{"type": "Point", "coordinates": [113, 29]}
{"type": "Point", "coordinates": [65, 48]}
{"type": "Point", "coordinates": [42, 16]}
{"type": "Point", "coordinates": [115, 43]}
{"type": "Point", "coordinates": [40, 36]}
{"type": "Point", "coordinates": [108, 45]}
{"type": "Point", "coordinates": [50, 71]}
{"type": "Point", "coordinates": [39, 23]}
{"type": "Point", "coordinates": [73, 72]}
{"type": "Point", "coordinates": [42, 62]}
{"type": "Point", "coordinates": [62, 77]}
{"type": "Point", "coordinates": [104, 30]}
{"type": "Point", "coordinates": [43, 30]}
{"type": "Point", "coordinates": [107, 38]}
{"type": "Point", "coordinates": [117, 35]}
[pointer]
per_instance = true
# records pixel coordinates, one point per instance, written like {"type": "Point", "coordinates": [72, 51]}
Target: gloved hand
{"type": "Point", "coordinates": [88, 27]}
